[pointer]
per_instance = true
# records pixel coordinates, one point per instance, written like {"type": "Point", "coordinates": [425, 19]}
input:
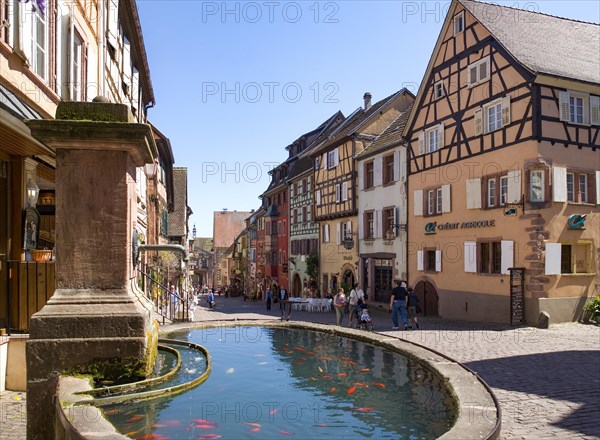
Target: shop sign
{"type": "Point", "coordinates": [577, 222]}
{"type": "Point", "coordinates": [431, 228]}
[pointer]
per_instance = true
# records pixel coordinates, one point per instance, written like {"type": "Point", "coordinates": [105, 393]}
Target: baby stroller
{"type": "Point", "coordinates": [363, 324]}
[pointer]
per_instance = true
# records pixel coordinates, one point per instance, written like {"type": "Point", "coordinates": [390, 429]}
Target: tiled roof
{"type": "Point", "coordinates": [353, 122]}
{"type": "Point", "coordinates": [390, 136]}
{"type": "Point", "coordinates": [178, 218]}
{"type": "Point", "coordinates": [543, 43]}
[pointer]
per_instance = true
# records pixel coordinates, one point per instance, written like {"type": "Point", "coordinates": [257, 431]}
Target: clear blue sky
{"type": "Point", "coordinates": [237, 82]}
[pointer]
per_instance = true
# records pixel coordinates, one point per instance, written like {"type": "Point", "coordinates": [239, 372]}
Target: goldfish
{"type": "Point", "coordinates": [320, 369]}
{"type": "Point", "coordinates": [255, 430]}
{"type": "Point", "coordinates": [364, 370]}
{"type": "Point", "coordinates": [342, 374]}
{"type": "Point", "coordinates": [206, 426]}
{"type": "Point", "coordinates": [255, 425]}
{"type": "Point", "coordinates": [309, 352]}
{"type": "Point", "coordinates": [135, 418]}
{"type": "Point", "coordinates": [312, 378]}
{"type": "Point", "coordinates": [351, 363]}
{"type": "Point", "coordinates": [152, 437]}
{"type": "Point", "coordinates": [344, 358]}
{"type": "Point", "coordinates": [201, 421]}
{"type": "Point", "coordinates": [379, 384]}
{"type": "Point", "coordinates": [211, 436]}
{"type": "Point", "coordinates": [351, 390]}
{"type": "Point", "coordinates": [301, 359]}
{"type": "Point", "coordinates": [360, 384]}
{"type": "Point", "coordinates": [327, 376]}
{"type": "Point", "coordinates": [173, 422]}
{"type": "Point", "coordinates": [332, 390]}
{"type": "Point", "coordinates": [323, 358]}
{"type": "Point", "coordinates": [364, 409]}
{"type": "Point", "coordinates": [282, 432]}
{"type": "Point", "coordinates": [131, 434]}
{"type": "Point", "coordinates": [273, 412]}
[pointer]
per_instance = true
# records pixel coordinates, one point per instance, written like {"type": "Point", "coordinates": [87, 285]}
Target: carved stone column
{"type": "Point", "coordinates": [96, 320]}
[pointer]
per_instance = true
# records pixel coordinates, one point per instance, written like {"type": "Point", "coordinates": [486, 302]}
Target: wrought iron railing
{"type": "Point", "coordinates": [169, 306]}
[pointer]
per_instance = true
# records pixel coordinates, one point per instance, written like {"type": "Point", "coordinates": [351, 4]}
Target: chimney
{"type": "Point", "coordinates": [367, 98]}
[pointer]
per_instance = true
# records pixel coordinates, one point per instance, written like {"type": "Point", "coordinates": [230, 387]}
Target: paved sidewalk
{"type": "Point", "coordinates": [547, 381]}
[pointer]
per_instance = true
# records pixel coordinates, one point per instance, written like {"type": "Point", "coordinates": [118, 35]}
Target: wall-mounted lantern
{"type": "Point", "coordinates": [33, 191]}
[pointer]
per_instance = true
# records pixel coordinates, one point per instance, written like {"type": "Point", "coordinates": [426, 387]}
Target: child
{"type": "Point", "coordinates": [210, 299]}
{"type": "Point", "coordinates": [364, 317]}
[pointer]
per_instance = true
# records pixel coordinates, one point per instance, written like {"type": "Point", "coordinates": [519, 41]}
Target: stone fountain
{"type": "Point", "coordinates": [97, 322]}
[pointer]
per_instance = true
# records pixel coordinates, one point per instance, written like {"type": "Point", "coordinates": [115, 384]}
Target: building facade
{"type": "Point", "coordinates": [381, 191]}
{"type": "Point", "coordinates": [335, 199]}
{"type": "Point", "coordinates": [504, 167]}
{"type": "Point", "coordinates": [226, 227]}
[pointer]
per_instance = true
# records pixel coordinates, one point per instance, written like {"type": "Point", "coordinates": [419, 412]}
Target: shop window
{"type": "Point", "coordinates": [570, 258]}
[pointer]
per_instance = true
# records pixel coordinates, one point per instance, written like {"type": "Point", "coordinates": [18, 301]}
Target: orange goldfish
{"type": "Point", "coordinates": [282, 432]}
{"type": "Point", "coordinates": [364, 409]}
{"type": "Point", "coordinates": [255, 430]}
{"type": "Point", "coordinates": [351, 390]}
{"type": "Point", "coordinates": [255, 425]}
{"type": "Point", "coordinates": [327, 376]}
{"type": "Point", "coordinates": [332, 390]}
{"type": "Point", "coordinates": [273, 412]}
{"type": "Point", "coordinates": [360, 384]}
{"type": "Point", "coordinates": [364, 370]}
{"type": "Point", "coordinates": [135, 418]}
{"type": "Point", "coordinates": [342, 374]}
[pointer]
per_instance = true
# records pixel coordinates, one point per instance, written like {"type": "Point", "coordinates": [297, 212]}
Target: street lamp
{"type": "Point", "coordinates": [33, 191]}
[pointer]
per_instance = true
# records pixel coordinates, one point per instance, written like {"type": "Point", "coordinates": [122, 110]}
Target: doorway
{"type": "Point", "coordinates": [296, 286]}
{"type": "Point", "coordinates": [428, 298]}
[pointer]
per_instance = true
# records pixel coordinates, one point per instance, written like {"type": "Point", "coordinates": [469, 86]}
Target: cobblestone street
{"type": "Point", "coordinates": [547, 381]}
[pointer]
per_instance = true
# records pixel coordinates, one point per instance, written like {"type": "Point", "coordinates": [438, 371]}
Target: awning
{"type": "Point", "coordinates": [15, 135]}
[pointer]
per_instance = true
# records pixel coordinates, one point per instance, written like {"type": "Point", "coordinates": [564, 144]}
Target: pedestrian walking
{"type": "Point", "coordinates": [356, 298]}
{"type": "Point", "coordinates": [284, 301]}
{"type": "Point", "coordinates": [412, 308]}
{"type": "Point", "coordinates": [269, 297]}
{"type": "Point", "coordinates": [398, 304]}
{"type": "Point", "coordinates": [339, 303]}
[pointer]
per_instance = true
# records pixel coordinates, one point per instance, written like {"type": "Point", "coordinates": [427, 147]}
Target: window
{"type": "Point", "coordinates": [576, 109]}
{"type": "Point", "coordinates": [39, 41]}
{"type": "Point", "coordinates": [389, 220]}
{"type": "Point", "coordinates": [570, 187]}
{"type": "Point", "coordinates": [579, 108]}
{"type": "Point", "coordinates": [346, 230]}
{"type": "Point", "coordinates": [438, 90]}
{"type": "Point", "coordinates": [503, 190]}
{"type": "Point", "coordinates": [492, 116]}
{"type": "Point", "coordinates": [338, 192]}
{"type": "Point", "coordinates": [431, 202]}
{"type": "Point", "coordinates": [430, 260]}
{"type": "Point", "coordinates": [479, 71]}
{"type": "Point", "coordinates": [437, 200]}
{"type": "Point", "coordinates": [304, 218]}
{"type": "Point", "coordinates": [370, 224]}
{"type": "Point", "coordinates": [332, 159]}
{"type": "Point", "coordinates": [569, 258]}
{"type": "Point", "coordinates": [583, 185]}
{"type": "Point", "coordinates": [388, 169]}
{"type": "Point", "coordinates": [491, 191]}
{"type": "Point", "coordinates": [431, 137]}
{"type": "Point", "coordinates": [459, 23]}
{"type": "Point", "coordinates": [295, 217]}
{"type": "Point", "coordinates": [490, 255]}
{"type": "Point", "coordinates": [536, 186]}
{"type": "Point", "coordinates": [326, 233]}
{"type": "Point", "coordinates": [318, 197]}
{"type": "Point", "coordinates": [369, 175]}
{"type": "Point", "coordinates": [5, 21]}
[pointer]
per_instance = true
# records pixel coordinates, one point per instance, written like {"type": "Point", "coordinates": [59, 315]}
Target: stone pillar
{"type": "Point", "coordinates": [96, 320]}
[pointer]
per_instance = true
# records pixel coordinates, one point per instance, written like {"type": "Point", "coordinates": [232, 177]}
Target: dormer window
{"type": "Point", "coordinates": [459, 23]}
{"type": "Point", "coordinates": [438, 90]}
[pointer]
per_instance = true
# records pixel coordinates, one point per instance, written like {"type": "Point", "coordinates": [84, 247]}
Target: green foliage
{"type": "Point", "coordinates": [114, 371]}
{"type": "Point", "coordinates": [593, 306]}
{"type": "Point", "coordinates": [312, 266]}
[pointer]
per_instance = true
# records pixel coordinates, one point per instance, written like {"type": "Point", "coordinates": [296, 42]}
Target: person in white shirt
{"type": "Point", "coordinates": [356, 298]}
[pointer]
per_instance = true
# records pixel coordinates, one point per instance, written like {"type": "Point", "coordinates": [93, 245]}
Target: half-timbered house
{"type": "Point", "coordinates": [304, 231]}
{"type": "Point", "coordinates": [504, 167]}
{"type": "Point", "coordinates": [335, 198]}
{"type": "Point", "coordinates": [381, 191]}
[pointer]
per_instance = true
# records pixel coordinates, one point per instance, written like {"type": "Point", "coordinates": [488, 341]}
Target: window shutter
{"type": "Point", "coordinates": [559, 184]}
{"type": "Point", "coordinates": [338, 192]}
{"type": "Point", "coordinates": [398, 175]}
{"type": "Point", "coordinates": [349, 227]}
{"type": "Point", "coordinates": [324, 161]}
{"type": "Point", "coordinates": [420, 258]}
{"type": "Point", "coordinates": [361, 175]}
{"type": "Point", "coordinates": [440, 135]}
{"type": "Point", "coordinates": [396, 217]}
{"type": "Point", "coordinates": [563, 103]}
{"type": "Point", "coordinates": [478, 122]}
{"type": "Point", "coordinates": [377, 171]}
{"type": "Point", "coordinates": [507, 256]}
{"type": "Point", "coordinates": [309, 213]}
{"type": "Point", "coordinates": [505, 111]}
{"type": "Point", "coordinates": [594, 110]}
{"type": "Point", "coordinates": [326, 233]}
{"type": "Point", "coordinates": [113, 22]}
{"type": "Point", "coordinates": [345, 191]}
{"type": "Point", "coordinates": [474, 193]}
{"type": "Point", "coordinates": [127, 62]}
{"type": "Point", "coordinates": [438, 261]}
{"type": "Point", "coordinates": [318, 197]}
{"type": "Point", "coordinates": [553, 252]}
{"type": "Point", "coordinates": [421, 143]}
{"type": "Point", "coordinates": [292, 190]}
{"type": "Point", "coordinates": [418, 202]}
{"type": "Point", "coordinates": [514, 187]}
{"type": "Point", "coordinates": [338, 233]}
{"type": "Point", "coordinates": [25, 31]}
{"type": "Point", "coordinates": [361, 226]}
{"type": "Point", "coordinates": [470, 256]}
{"type": "Point", "coordinates": [377, 220]}
{"type": "Point", "coordinates": [70, 56]}
{"type": "Point", "coordinates": [597, 187]}
{"type": "Point", "coordinates": [336, 157]}
{"type": "Point", "coordinates": [135, 88]}
{"type": "Point", "coordinates": [446, 198]}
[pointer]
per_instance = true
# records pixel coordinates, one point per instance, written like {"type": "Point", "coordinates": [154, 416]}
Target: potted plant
{"type": "Point", "coordinates": [593, 307]}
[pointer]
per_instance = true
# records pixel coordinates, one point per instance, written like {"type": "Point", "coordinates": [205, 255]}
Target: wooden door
{"type": "Point", "coordinates": [428, 298]}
